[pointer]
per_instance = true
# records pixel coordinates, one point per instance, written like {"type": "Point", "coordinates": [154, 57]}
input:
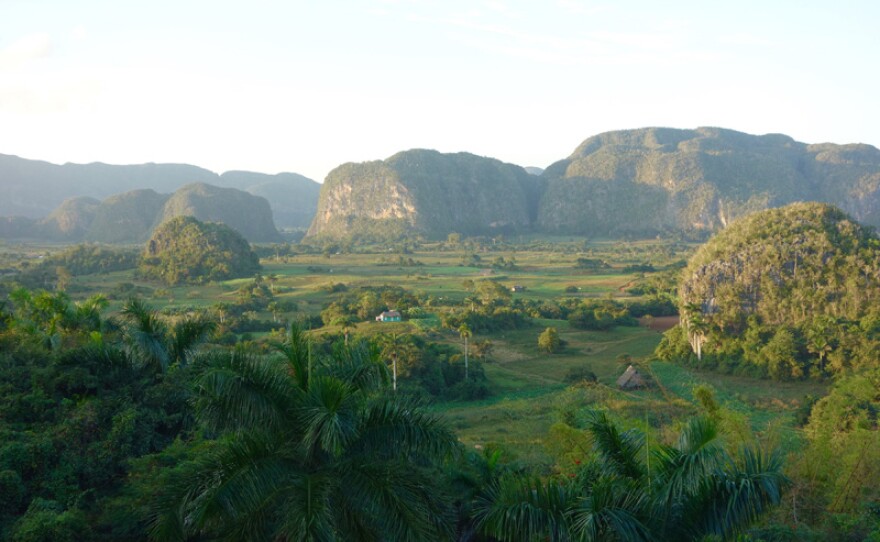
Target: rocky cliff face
{"type": "Point", "coordinates": [425, 192]}
{"type": "Point", "coordinates": [658, 179]}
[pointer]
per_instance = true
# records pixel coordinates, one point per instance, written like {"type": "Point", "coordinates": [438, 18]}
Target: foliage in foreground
{"type": "Point", "coordinates": [688, 491]}
{"type": "Point", "coordinates": [308, 449]}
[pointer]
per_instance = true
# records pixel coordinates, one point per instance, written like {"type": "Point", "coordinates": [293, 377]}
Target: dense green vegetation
{"type": "Point", "coordinates": [58, 269]}
{"type": "Point", "coordinates": [787, 293]}
{"type": "Point", "coordinates": [200, 413]}
{"type": "Point", "coordinates": [184, 249]}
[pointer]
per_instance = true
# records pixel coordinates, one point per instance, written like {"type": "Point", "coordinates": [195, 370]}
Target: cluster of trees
{"type": "Point", "coordinates": [56, 270]}
{"type": "Point", "coordinates": [487, 307]}
{"type": "Point", "coordinates": [81, 396]}
{"type": "Point", "coordinates": [601, 314]}
{"type": "Point", "coordinates": [366, 302]}
{"type": "Point", "coordinates": [430, 369]}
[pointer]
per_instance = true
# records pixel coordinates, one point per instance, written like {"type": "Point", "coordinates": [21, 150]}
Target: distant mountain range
{"type": "Point", "coordinates": [644, 182]}
{"type": "Point", "coordinates": [34, 189]}
{"type": "Point", "coordinates": [626, 183]}
{"type": "Point", "coordinates": [132, 216]}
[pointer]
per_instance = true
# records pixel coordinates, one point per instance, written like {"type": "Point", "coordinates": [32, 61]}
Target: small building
{"type": "Point", "coordinates": [518, 288]}
{"type": "Point", "coordinates": [389, 316]}
{"type": "Point", "coordinates": [631, 379]}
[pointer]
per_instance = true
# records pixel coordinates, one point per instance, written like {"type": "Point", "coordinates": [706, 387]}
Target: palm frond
{"type": "Point", "coordinates": [329, 416]}
{"type": "Point", "coordinates": [520, 508]}
{"type": "Point", "coordinates": [737, 496]}
{"type": "Point", "coordinates": [297, 351]}
{"type": "Point", "coordinates": [405, 423]}
{"type": "Point", "coordinates": [360, 365]}
{"type": "Point", "coordinates": [400, 498]}
{"type": "Point", "coordinates": [620, 450]}
{"type": "Point", "coordinates": [683, 470]}
{"type": "Point", "coordinates": [225, 489]}
{"type": "Point", "coordinates": [612, 510]}
{"type": "Point", "coordinates": [240, 391]}
{"type": "Point", "coordinates": [185, 336]}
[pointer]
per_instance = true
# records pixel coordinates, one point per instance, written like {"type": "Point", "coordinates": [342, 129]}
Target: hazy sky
{"type": "Point", "coordinates": [305, 86]}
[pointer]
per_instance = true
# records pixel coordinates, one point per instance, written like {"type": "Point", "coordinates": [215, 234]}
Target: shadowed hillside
{"type": "Point", "coordinates": [655, 180]}
{"type": "Point", "coordinates": [33, 189]}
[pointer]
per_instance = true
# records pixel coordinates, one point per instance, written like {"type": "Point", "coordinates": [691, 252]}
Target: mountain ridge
{"type": "Point", "coordinates": [34, 188]}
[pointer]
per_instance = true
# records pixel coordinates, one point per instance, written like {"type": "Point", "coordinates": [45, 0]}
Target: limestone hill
{"type": "Point", "coordinates": [425, 192]}
{"type": "Point", "coordinates": [657, 180]}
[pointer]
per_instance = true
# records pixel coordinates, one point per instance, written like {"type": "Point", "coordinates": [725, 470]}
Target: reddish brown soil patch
{"type": "Point", "coordinates": [659, 323]}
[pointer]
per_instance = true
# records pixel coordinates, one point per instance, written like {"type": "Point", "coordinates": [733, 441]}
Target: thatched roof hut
{"type": "Point", "coordinates": [631, 379]}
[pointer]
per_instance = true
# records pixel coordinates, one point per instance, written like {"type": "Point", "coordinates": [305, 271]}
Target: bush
{"type": "Point", "coordinates": [580, 374]}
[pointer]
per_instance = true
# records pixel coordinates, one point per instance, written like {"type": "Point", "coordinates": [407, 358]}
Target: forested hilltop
{"type": "Point", "coordinates": [788, 293]}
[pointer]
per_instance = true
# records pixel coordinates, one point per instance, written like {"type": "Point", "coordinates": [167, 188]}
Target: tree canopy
{"type": "Point", "coordinates": [186, 250]}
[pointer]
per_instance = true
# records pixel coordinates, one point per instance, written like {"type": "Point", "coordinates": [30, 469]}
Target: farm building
{"type": "Point", "coordinates": [389, 316]}
{"type": "Point", "coordinates": [631, 379]}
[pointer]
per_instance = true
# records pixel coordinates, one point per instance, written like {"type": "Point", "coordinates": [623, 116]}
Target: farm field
{"type": "Point", "coordinates": [529, 392]}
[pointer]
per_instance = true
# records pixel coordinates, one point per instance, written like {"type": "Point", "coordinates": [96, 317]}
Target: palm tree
{"type": "Point", "coordinates": [42, 316]}
{"type": "Point", "coordinates": [465, 333]}
{"type": "Point", "coordinates": [273, 282]}
{"type": "Point", "coordinates": [696, 326]}
{"type": "Point", "coordinates": [328, 456]}
{"type": "Point", "coordinates": [346, 322]}
{"type": "Point", "coordinates": [390, 344]}
{"type": "Point", "coordinates": [695, 490]}
{"type": "Point", "coordinates": [151, 342]}
{"type": "Point", "coordinates": [274, 308]}
{"type": "Point", "coordinates": [221, 309]}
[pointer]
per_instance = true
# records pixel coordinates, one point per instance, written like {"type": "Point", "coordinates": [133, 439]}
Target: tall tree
{"type": "Point", "coordinates": [152, 342]}
{"type": "Point", "coordinates": [329, 457]}
{"type": "Point", "coordinates": [694, 490]}
{"type": "Point", "coordinates": [465, 333]}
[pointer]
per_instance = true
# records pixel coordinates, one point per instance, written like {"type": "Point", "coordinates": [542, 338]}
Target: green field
{"type": "Point", "coordinates": [528, 388]}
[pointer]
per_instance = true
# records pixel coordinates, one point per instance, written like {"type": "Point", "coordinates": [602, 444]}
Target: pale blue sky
{"type": "Point", "coordinates": [304, 86]}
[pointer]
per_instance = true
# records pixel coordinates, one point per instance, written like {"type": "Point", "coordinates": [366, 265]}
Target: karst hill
{"type": "Point", "coordinates": [626, 183]}
{"type": "Point", "coordinates": [425, 192]}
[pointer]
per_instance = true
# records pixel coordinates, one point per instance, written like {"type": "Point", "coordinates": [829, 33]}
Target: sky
{"type": "Point", "coordinates": [304, 86]}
